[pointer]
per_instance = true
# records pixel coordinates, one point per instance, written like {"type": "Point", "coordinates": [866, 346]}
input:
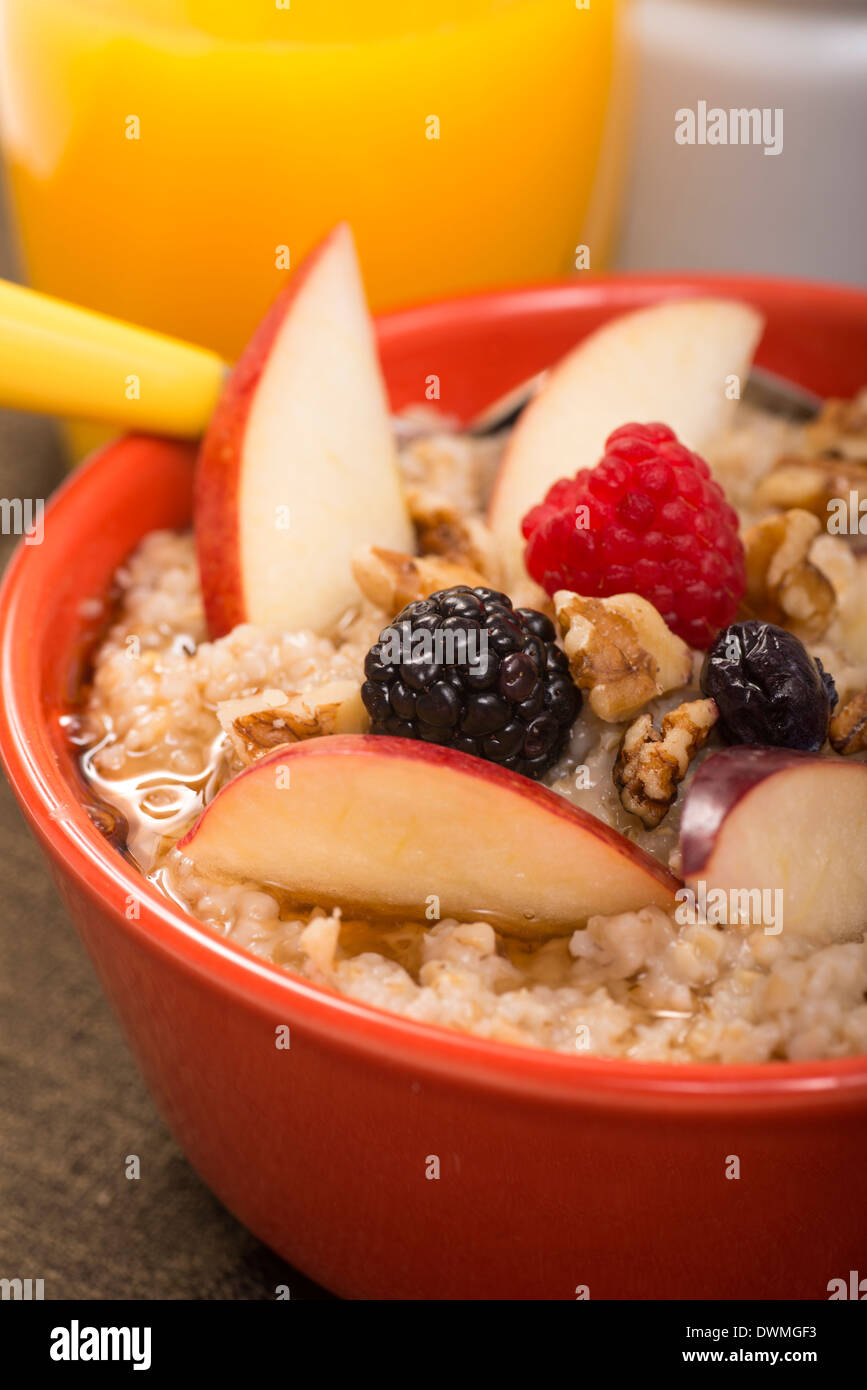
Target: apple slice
{"type": "Point", "coordinates": [671, 362]}
{"type": "Point", "coordinates": [386, 826]}
{"type": "Point", "coordinates": [298, 467]}
{"type": "Point", "coordinates": [781, 822]}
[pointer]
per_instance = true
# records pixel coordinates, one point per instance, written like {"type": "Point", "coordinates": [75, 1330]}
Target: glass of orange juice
{"type": "Point", "coordinates": [171, 160]}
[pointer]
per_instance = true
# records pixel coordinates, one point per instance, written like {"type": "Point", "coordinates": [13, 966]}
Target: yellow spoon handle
{"type": "Point", "coordinates": [58, 359]}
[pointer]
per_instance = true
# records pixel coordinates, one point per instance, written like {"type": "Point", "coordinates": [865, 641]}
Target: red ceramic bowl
{"type": "Point", "coordinates": [555, 1171]}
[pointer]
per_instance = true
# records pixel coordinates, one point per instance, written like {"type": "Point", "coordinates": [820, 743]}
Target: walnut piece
{"type": "Point", "coordinates": [840, 428]}
{"type": "Point", "coordinates": [783, 584]}
{"type": "Point", "coordinates": [831, 471]}
{"type": "Point", "coordinates": [391, 580]}
{"type": "Point", "coordinates": [811, 483]}
{"type": "Point", "coordinates": [620, 651]}
{"type": "Point", "coordinates": [258, 723]}
{"type": "Point", "coordinates": [826, 487]}
{"type": "Point", "coordinates": [650, 766]}
{"type": "Point", "coordinates": [443, 529]}
{"type": "Point", "coordinates": [848, 731]}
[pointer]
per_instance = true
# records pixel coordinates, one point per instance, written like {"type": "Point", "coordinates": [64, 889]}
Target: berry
{"type": "Point", "coordinates": [466, 669]}
{"type": "Point", "coordinates": [768, 688]}
{"type": "Point", "coordinates": [650, 520]}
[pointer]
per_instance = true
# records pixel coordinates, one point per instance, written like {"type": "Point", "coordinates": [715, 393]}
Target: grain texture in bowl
{"type": "Point", "coordinates": [641, 985]}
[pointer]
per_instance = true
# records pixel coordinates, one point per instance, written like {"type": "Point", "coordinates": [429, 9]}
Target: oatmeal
{"type": "Point", "coordinates": [553, 735]}
{"type": "Point", "coordinates": [635, 984]}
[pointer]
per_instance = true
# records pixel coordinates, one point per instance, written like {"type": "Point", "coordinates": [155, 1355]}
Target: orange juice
{"type": "Point", "coordinates": [171, 160]}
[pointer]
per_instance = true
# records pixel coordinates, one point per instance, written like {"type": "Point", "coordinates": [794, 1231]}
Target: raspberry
{"type": "Point", "coordinates": [648, 519]}
{"type": "Point", "coordinates": [465, 669]}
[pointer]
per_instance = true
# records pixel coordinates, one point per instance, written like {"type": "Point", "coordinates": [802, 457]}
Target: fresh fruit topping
{"type": "Point", "coordinates": [650, 519]}
{"type": "Point", "coordinates": [668, 362]}
{"type": "Point", "coordinates": [621, 651]}
{"type": "Point", "coordinates": [389, 827]}
{"type": "Point", "coordinates": [774, 839]}
{"type": "Point", "coordinates": [650, 766]}
{"type": "Point", "coordinates": [768, 688]}
{"type": "Point", "coordinates": [466, 669]}
{"type": "Point", "coordinates": [298, 467]}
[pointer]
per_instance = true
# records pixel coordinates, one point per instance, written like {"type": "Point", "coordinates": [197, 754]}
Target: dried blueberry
{"type": "Point", "coordinates": [768, 688]}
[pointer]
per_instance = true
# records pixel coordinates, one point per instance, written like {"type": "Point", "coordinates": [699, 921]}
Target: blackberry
{"type": "Point", "coordinates": [466, 669]}
{"type": "Point", "coordinates": [768, 688]}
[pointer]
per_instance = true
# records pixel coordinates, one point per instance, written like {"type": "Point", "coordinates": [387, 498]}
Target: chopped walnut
{"type": "Point", "coordinates": [783, 584]}
{"type": "Point", "coordinates": [840, 428]}
{"type": "Point", "coordinates": [620, 651]}
{"type": "Point", "coordinates": [811, 483]}
{"type": "Point", "coordinates": [831, 470]}
{"type": "Point", "coordinates": [443, 529]}
{"type": "Point", "coordinates": [817, 485]}
{"type": "Point", "coordinates": [391, 580]}
{"type": "Point", "coordinates": [258, 723]}
{"type": "Point", "coordinates": [848, 731]}
{"type": "Point", "coordinates": [650, 766]}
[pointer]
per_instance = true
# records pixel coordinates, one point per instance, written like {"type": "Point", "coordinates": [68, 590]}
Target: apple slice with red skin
{"type": "Point", "coordinates": [780, 820]}
{"type": "Point", "coordinates": [382, 825]}
{"type": "Point", "coordinates": [298, 467]}
{"type": "Point", "coordinates": [674, 362]}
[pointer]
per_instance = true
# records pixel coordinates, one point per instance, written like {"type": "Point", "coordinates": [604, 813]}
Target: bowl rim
{"type": "Point", "coordinates": [81, 853]}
